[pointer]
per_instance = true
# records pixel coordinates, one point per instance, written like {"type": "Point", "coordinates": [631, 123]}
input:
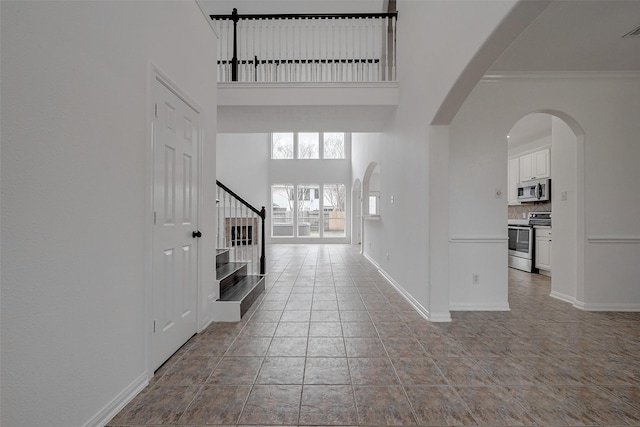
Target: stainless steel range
{"type": "Point", "coordinates": [521, 240]}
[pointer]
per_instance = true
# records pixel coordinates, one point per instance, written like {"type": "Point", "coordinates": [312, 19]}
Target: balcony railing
{"type": "Point", "coordinates": [307, 48]}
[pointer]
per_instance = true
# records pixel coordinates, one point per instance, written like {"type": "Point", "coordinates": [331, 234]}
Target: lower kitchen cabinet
{"type": "Point", "coordinates": [543, 249]}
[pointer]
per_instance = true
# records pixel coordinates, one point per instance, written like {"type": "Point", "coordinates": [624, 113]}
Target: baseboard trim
{"type": "Point", "coordinates": [562, 297]}
{"type": "Point", "coordinates": [479, 307]}
{"type": "Point", "coordinates": [422, 311]}
{"type": "Point", "coordinates": [206, 323]}
{"type": "Point", "coordinates": [119, 402]}
{"type": "Point", "coordinates": [606, 306]}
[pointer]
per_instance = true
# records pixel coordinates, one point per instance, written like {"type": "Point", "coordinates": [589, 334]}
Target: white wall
{"type": "Point", "coordinates": [427, 69]}
{"type": "Point", "coordinates": [564, 244]}
{"type": "Point", "coordinates": [605, 109]}
{"type": "Point", "coordinates": [75, 200]}
{"type": "Point", "coordinates": [242, 164]}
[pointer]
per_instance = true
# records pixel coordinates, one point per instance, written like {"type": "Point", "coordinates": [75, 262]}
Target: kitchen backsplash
{"type": "Point", "coordinates": [516, 211]}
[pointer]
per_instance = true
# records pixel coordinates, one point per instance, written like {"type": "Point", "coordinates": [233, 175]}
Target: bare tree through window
{"type": "Point", "coordinates": [282, 146]}
{"type": "Point", "coordinates": [308, 145]}
{"type": "Point", "coordinates": [335, 201]}
{"type": "Point", "coordinates": [334, 145]}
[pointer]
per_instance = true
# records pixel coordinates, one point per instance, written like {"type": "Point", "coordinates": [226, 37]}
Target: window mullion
{"type": "Point", "coordinates": [296, 206]}
{"type": "Point", "coordinates": [321, 208]}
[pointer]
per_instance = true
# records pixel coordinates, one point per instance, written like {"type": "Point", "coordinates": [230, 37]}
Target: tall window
{"type": "Point", "coordinates": [333, 145]}
{"type": "Point", "coordinates": [308, 211]}
{"type": "Point", "coordinates": [282, 145]}
{"type": "Point", "coordinates": [282, 210]}
{"type": "Point", "coordinates": [334, 210]}
{"type": "Point", "coordinates": [308, 145]}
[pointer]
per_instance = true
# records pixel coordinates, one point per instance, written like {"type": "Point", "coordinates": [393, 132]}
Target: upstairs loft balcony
{"type": "Point", "coordinates": [308, 71]}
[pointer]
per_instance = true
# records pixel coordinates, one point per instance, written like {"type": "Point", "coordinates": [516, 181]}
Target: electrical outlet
{"type": "Point", "coordinates": [563, 196]}
{"type": "Point", "coordinates": [391, 199]}
{"type": "Point", "coordinates": [388, 256]}
{"type": "Point", "coordinates": [475, 279]}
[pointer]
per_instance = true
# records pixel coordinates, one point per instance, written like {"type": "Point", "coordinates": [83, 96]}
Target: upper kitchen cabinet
{"type": "Point", "coordinates": [535, 165]}
{"type": "Point", "coordinates": [513, 180]}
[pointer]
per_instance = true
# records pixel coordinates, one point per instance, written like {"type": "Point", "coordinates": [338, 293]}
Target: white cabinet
{"type": "Point", "coordinates": [535, 165]}
{"type": "Point", "coordinates": [543, 249]}
{"type": "Point", "coordinates": [513, 180]}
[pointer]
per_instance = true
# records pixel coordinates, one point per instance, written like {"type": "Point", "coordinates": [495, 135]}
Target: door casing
{"type": "Point", "coordinates": [155, 74]}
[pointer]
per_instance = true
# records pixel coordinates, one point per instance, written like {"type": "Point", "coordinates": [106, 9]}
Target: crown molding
{"type": "Point", "coordinates": [207, 17]}
{"type": "Point", "coordinates": [560, 75]}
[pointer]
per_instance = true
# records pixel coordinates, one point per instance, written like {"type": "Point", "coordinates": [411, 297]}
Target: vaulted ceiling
{"type": "Point", "coordinates": [577, 35]}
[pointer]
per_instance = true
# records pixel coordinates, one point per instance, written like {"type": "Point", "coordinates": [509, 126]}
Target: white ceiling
{"type": "Point", "coordinates": [528, 129]}
{"type": "Point", "coordinates": [577, 35]}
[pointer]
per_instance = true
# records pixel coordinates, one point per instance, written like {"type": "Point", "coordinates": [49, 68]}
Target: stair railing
{"type": "Point", "coordinates": [241, 229]}
{"type": "Point", "coordinates": [356, 47]}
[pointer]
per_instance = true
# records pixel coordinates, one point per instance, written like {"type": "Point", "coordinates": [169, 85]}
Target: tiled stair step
{"type": "Point", "coordinates": [244, 291]}
{"type": "Point", "coordinates": [222, 257]}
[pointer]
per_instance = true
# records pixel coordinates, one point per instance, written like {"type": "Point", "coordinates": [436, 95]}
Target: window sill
{"type": "Point", "coordinates": [372, 217]}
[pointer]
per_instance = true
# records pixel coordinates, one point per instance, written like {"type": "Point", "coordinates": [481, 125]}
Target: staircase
{"type": "Point", "coordinates": [240, 264]}
{"type": "Point", "coordinates": [238, 290]}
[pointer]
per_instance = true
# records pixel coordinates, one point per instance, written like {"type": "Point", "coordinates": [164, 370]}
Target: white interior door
{"type": "Point", "coordinates": [175, 196]}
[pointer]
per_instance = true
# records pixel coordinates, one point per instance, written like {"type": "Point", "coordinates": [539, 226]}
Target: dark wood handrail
{"type": "Point", "coordinates": [241, 200]}
{"type": "Point", "coordinates": [302, 61]}
{"type": "Point", "coordinates": [309, 16]}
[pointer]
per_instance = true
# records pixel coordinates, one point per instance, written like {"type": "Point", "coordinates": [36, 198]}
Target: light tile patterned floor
{"type": "Point", "coordinates": [332, 343]}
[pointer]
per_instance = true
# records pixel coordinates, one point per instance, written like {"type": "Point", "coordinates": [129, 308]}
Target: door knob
{"type": "Point", "coordinates": [197, 234]}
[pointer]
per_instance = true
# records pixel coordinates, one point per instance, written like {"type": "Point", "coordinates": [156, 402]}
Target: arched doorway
{"type": "Point", "coordinates": [356, 213]}
{"type": "Point", "coordinates": [528, 139]}
{"type": "Point", "coordinates": [370, 196]}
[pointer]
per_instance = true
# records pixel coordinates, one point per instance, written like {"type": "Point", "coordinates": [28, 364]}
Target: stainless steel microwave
{"type": "Point", "coordinates": [536, 190]}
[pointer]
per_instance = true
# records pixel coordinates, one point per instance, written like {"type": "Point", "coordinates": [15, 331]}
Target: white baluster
{"type": "Point", "coordinates": [241, 233]}
{"type": "Point", "coordinates": [309, 44]}
{"type": "Point", "coordinates": [383, 59]}
{"type": "Point", "coordinates": [279, 29]}
{"type": "Point", "coordinates": [224, 219]}
{"type": "Point", "coordinates": [301, 37]}
{"type": "Point", "coordinates": [340, 56]}
{"type": "Point", "coordinates": [269, 51]}
{"type": "Point", "coordinates": [393, 44]}
{"type": "Point", "coordinates": [367, 25]}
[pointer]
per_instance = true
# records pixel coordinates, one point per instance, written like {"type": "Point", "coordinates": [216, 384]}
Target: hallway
{"type": "Point", "coordinates": [333, 343]}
